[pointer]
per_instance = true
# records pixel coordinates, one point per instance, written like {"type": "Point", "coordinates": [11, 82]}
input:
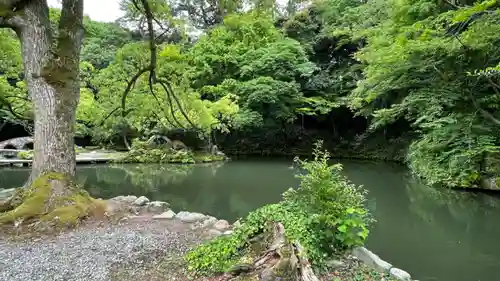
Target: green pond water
{"type": "Point", "coordinates": [437, 235]}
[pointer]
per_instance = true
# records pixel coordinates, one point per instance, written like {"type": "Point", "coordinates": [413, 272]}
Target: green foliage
{"type": "Point", "coordinates": [250, 58]}
{"type": "Point", "coordinates": [143, 152]}
{"type": "Point", "coordinates": [417, 66]}
{"type": "Point", "coordinates": [334, 205]}
{"type": "Point", "coordinates": [419, 72]}
{"type": "Point", "coordinates": [27, 155]}
{"type": "Point", "coordinates": [325, 213]}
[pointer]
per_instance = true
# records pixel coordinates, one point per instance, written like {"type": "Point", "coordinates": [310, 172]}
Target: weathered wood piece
{"type": "Point", "coordinates": [279, 260]}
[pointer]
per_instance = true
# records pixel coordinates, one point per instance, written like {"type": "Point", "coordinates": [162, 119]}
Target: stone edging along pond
{"type": "Point", "coordinates": [222, 227]}
{"type": "Point", "coordinates": [161, 211]}
{"type": "Point", "coordinates": [374, 261]}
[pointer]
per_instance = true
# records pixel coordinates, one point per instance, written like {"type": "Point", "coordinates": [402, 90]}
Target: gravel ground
{"type": "Point", "coordinates": [91, 254]}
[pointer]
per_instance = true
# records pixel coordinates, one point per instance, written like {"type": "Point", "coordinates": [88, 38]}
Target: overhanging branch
{"type": "Point", "coordinates": [152, 69]}
{"type": "Point", "coordinates": [10, 11]}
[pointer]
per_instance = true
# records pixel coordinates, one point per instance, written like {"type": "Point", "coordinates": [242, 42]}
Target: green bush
{"type": "Point", "coordinates": [26, 155]}
{"type": "Point", "coordinates": [335, 205]}
{"type": "Point", "coordinates": [325, 213]}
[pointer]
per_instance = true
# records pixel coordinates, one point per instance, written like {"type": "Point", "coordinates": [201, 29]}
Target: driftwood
{"type": "Point", "coordinates": [279, 259]}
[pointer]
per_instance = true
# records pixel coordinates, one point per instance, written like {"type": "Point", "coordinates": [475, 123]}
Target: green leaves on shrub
{"type": "Point", "coordinates": [325, 213]}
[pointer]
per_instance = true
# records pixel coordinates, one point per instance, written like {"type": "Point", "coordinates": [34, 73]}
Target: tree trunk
{"type": "Point", "coordinates": [274, 258]}
{"type": "Point", "coordinates": [53, 85]}
{"type": "Point", "coordinates": [51, 70]}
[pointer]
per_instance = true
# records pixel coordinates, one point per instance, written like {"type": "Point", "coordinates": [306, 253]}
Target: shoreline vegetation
{"type": "Point", "coordinates": [176, 152]}
{"type": "Point", "coordinates": [404, 80]}
{"type": "Point", "coordinates": [270, 240]}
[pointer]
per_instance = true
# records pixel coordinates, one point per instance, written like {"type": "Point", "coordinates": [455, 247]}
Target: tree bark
{"type": "Point", "coordinates": [51, 70]}
{"type": "Point", "coordinates": [280, 259]}
{"type": "Point", "coordinates": [52, 77]}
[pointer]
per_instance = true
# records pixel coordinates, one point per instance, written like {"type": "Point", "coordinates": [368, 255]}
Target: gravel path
{"type": "Point", "coordinates": [91, 253]}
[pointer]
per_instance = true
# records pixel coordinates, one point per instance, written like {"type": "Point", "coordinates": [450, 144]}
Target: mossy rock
{"type": "Point", "coordinates": [53, 199]}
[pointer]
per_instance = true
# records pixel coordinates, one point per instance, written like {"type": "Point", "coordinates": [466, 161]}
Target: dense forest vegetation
{"type": "Point", "coordinates": [407, 80]}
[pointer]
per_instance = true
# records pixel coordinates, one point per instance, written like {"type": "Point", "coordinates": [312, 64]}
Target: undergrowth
{"type": "Point", "coordinates": [325, 214]}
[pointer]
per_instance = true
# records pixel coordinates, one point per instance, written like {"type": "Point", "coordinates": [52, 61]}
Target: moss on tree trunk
{"type": "Point", "coordinates": [51, 70]}
{"type": "Point", "coordinates": [51, 198]}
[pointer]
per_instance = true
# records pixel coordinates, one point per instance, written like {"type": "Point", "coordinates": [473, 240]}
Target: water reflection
{"type": "Point", "coordinates": [441, 235]}
{"type": "Point", "coordinates": [459, 229]}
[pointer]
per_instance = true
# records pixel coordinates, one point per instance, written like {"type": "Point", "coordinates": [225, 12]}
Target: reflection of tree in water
{"type": "Point", "coordinates": [460, 226]}
{"type": "Point", "coordinates": [152, 177]}
{"type": "Point", "coordinates": [460, 214]}
{"type": "Point", "coordinates": [157, 182]}
{"type": "Point", "coordinates": [463, 206]}
{"type": "Point", "coordinates": [239, 206]}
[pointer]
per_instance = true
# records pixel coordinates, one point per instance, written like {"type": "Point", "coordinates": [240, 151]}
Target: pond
{"type": "Point", "coordinates": [436, 235]}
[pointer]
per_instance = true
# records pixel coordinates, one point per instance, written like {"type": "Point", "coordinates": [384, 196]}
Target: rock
{"type": "Point", "coordinates": [112, 207]}
{"type": "Point", "coordinates": [6, 193]}
{"type": "Point", "coordinates": [214, 232]}
{"type": "Point", "coordinates": [141, 201]}
{"type": "Point", "coordinates": [190, 217]}
{"type": "Point", "coordinates": [221, 225]}
{"type": "Point", "coordinates": [335, 264]}
{"type": "Point", "coordinates": [399, 274]}
{"type": "Point", "coordinates": [5, 196]}
{"type": "Point", "coordinates": [168, 215]}
{"type": "Point", "coordinates": [371, 259]}
{"type": "Point", "coordinates": [228, 232]}
{"type": "Point", "coordinates": [207, 222]}
{"type": "Point", "coordinates": [126, 199]}
{"type": "Point", "coordinates": [157, 206]}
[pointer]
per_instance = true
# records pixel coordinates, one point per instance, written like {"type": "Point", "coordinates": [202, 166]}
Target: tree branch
{"type": "Point", "coordinates": [166, 86]}
{"type": "Point", "coordinates": [152, 68]}
{"type": "Point", "coordinates": [129, 87]}
{"type": "Point", "coordinates": [494, 85]}
{"type": "Point", "coordinates": [162, 107]}
{"type": "Point", "coordinates": [485, 113]}
{"type": "Point", "coordinates": [109, 115]}
{"type": "Point", "coordinates": [152, 43]}
{"type": "Point", "coordinates": [11, 17]}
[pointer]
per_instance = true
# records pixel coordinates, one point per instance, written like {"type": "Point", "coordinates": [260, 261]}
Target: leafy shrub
{"type": "Point", "coordinates": [335, 205]}
{"type": "Point", "coordinates": [325, 213]}
{"type": "Point", "coordinates": [26, 155]}
{"type": "Point", "coordinates": [450, 154]}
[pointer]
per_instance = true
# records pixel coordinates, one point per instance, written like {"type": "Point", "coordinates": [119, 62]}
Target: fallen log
{"type": "Point", "coordinates": [273, 258]}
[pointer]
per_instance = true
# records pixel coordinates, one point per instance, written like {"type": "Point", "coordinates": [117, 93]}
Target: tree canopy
{"type": "Point", "coordinates": [425, 71]}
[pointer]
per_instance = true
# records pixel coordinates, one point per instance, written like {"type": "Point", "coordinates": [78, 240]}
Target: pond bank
{"type": "Point", "coordinates": [139, 239]}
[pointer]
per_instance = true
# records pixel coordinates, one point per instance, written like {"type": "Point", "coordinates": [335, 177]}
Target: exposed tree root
{"type": "Point", "coordinates": [279, 260]}
{"type": "Point", "coordinates": [50, 199]}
